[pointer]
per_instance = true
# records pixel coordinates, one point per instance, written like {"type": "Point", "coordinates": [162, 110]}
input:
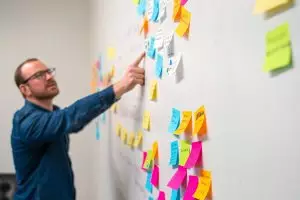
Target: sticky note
{"type": "Point", "coordinates": [176, 10]}
{"type": "Point", "coordinates": [93, 82]}
{"type": "Point", "coordinates": [136, 2]}
{"type": "Point", "coordinates": [130, 139]}
{"type": "Point", "coordinates": [195, 155]}
{"type": "Point", "coordinates": [184, 152]}
{"type": "Point", "coordinates": [175, 120]}
{"type": "Point", "coordinates": [155, 150]}
{"type": "Point", "coordinates": [162, 9]}
{"type": "Point", "coordinates": [183, 2]}
{"type": "Point", "coordinates": [203, 188]}
{"type": "Point", "coordinates": [153, 90]}
{"type": "Point", "coordinates": [114, 108]}
{"type": "Point", "coordinates": [148, 161]}
{"type": "Point", "coordinates": [103, 117]}
{"type": "Point", "coordinates": [144, 159]}
{"type": "Point", "coordinates": [124, 135]}
{"type": "Point", "coordinates": [155, 176]}
{"type": "Point", "coordinates": [169, 44]}
{"type": "Point", "coordinates": [186, 120]}
{"type": "Point", "coordinates": [138, 139]}
{"type": "Point", "coordinates": [148, 184]}
{"type": "Point", "coordinates": [97, 131]}
{"type": "Point", "coordinates": [278, 48]}
{"type": "Point", "coordinates": [159, 65]}
{"type": "Point", "coordinates": [161, 196]}
{"type": "Point", "coordinates": [146, 120]}
{"type": "Point", "coordinates": [159, 39]}
{"type": "Point", "coordinates": [174, 153]}
{"type": "Point", "coordinates": [173, 64]}
{"type": "Point", "coordinates": [145, 26]}
{"type": "Point", "coordinates": [150, 9]}
{"type": "Point", "coordinates": [141, 9]}
{"type": "Point", "coordinates": [175, 195]}
{"type": "Point", "coordinates": [178, 178]}
{"type": "Point", "coordinates": [112, 71]}
{"type": "Point", "coordinates": [150, 198]}
{"type": "Point", "coordinates": [155, 13]}
{"type": "Point", "coordinates": [200, 121]}
{"type": "Point", "coordinates": [184, 25]}
{"type": "Point", "coordinates": [119, 129]}
{"type": "Point", "coordinates": [151, 49]}
{"type": "Point", "coordinates": [262, 6]}
{"type": "Point", "coordinates": [111, 53]}
{"type": "Point", "coordinates": [191, 188]}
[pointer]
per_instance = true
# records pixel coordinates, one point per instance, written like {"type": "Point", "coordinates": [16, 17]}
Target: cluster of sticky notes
{"type": "Point", "coordinates": [184, 23]}
{"type": "Point", "coordinates": [131, 140]}
{"type": "Point", "coordinates": [262, 6]}
{"type": "Point", "coordinates": [153, 90]}
{"type": "Point", "coordinates": [278, 48]}
{"type": "Point", "coordinates": [146, 120]}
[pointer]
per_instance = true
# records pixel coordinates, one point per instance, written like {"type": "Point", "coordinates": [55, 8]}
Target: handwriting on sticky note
{"type": "Point", "coordinates": [203, 188]}
{"type": "Point", "coordinates": [174, 153]}
{"type": "Point", "coordinates": [146, 120]}
{"type": "Point", "coordinates": [155, 176]}
{"type": "Point", "coordinates": [191, 188]}
{"type": "Point", "coordinates": [186, 119]}
{"type": "Point", "coordinates": [262, 6]}
{"type": "Point", "coordinates": [200, 121]}
{"type": "Point", "coordinates": [148, 161]}
{"type": "Point", "coordinates": [184, 152]}
{"type": "Point", "coordinates": [195, 155]}
{"type": "Point", "coordinates": [153, 90]}
{"type": "Point", "coordinates": [148, 184]}
{"type": "Point", "coordinates": [161, 196]}
{"type": "Point", "coordinates": [159, 65]}
{"type": "Point", "coordinates": [175, 195]}
{"type": "Point", "coordinates": [184, 25]}
{"type": "Point", "coordinates": [278, 48]}
{"type": "Point", "coordinates": [178, 178]}
{"type": "Point", "coordinates": [175, 120]}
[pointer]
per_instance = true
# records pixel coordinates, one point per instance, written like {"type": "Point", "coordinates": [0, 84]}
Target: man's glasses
{"type": "Point", "coordinates": [41, 75]}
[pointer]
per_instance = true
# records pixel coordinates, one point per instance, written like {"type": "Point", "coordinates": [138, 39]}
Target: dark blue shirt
{"type": "Point", "coordinates": [40, 145]}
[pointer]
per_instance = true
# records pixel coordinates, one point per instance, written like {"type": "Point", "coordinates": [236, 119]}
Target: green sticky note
{"type": "Point", "coordinates": [148, 161]}
{"type": "Point", "coordinates": [184, 152]}
{"type": "Point", "coordinates": [136, 2]}
{"type": "Point", "coordinates": [278, 48]}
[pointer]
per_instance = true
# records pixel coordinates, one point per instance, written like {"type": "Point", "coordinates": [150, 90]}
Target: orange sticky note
{"type": "Point", "coordinates": [176, 10]}
{"type": "Point", "coordinates": [204, 188]}
{"type": "Point", "coordinates": [184, 25]}
{"type": "Point", "coordinates": [185, 122]}
{"type": "Point", "coordinates": [155, 150]}
{"type": "Point", "coordinates": [200, 121]}
{"type": "Point", "coordinates": [145, 26]}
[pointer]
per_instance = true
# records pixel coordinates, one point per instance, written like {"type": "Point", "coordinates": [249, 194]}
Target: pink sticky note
{"type": "Point", "coordinates": [144, 158]}
{"type": "Point", "coordinates": [191, 188]}
{"type": "Point", "coordinates": [195, 155]}
{"type": "Point", "coordinates": [183, 2]}
{"type": "Point", "coordinates": [161, 196]}
{"type": "Point", "coordinates": [155, 176]}
{"type": "Point", "coordinates": [177, 178]}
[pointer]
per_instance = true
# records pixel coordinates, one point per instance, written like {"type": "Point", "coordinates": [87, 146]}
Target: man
{"type": "Point", "coordinates": [40, 131]}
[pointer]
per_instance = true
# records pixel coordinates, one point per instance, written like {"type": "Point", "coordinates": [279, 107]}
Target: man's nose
{"type": "Point", "coordinates": [49, 76]}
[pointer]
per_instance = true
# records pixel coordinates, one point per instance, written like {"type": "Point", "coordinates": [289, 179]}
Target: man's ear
{"type": "Point", "coordinates": [24, 90]}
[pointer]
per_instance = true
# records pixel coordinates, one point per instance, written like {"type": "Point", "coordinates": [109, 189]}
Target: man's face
{"type": "Point", "coordinates": [41, 83]}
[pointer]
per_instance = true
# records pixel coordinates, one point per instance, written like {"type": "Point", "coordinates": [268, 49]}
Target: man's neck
{"type": "Point", "coordinates": [46, 103]}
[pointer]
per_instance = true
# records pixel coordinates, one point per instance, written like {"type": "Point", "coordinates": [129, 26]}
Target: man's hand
{"type": "Point", "coordinates": [134, 75]}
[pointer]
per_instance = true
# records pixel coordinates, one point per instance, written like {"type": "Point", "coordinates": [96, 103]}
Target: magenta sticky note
{"type": "Point", "coordinates": [191, 188]}
{"type": "Point", "coordinates": [183, 2]}
{"type": "Point", "coordinates": [177, 178]}
{"type": "Point", "coordinates": [195, 155]}
{"type": "Point", "coordinates": [144, 158]}
{"type": "Point", "coordinates": [155, 176]}
{"type": "Point", "coordinates": [161, 196]}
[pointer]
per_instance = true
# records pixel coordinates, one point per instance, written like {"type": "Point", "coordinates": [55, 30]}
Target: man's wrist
{"type": "Point", "coordinates": [119, 90]}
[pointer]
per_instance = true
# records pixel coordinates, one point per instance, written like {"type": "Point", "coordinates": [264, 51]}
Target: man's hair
{"type": "Point", "coordinates": [19, 79]}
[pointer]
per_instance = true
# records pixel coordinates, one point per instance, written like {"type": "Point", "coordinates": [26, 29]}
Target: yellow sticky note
{"type": "Point", "coordinates": [186, 119]}
{"type": "Point", "coordinates": [124, 135]}
{"type": "Point", "coordinates": [114, 107]}
{"type": "Point", "coordinates": [146, 120]}
{"type": "Point", "coordinates": [262, 6]}
{"type": "Point", "coordinates": [94, 80]}
{"type": "Point", "coordinates": [153, 90]}
{"type": "Point", "coordinates": [112, 71]}
{"type": "Point", "coordinates": [176, 10]}
{"type": "Point", "coordinates": [130, 139]}
{"type": "Point", "coordinates": [138, 139]}
{"type": "Point", "coordinates": [148, 161]}
{"type": "Point", "coordinates": [155, 150]}
{"type": "Point", "coordinates": [183, 27]}
{"type": "Point", "coordinates": [119, 129]}
{"type": "Point", "coordinates": [111, 53]}
{"type": "Point", "coordinates": [184, 152]}
{"type": "Point", "coordinates": [136, 2]}
{"type": "Point", "coordinates": [199, 121]}
{"type": "Point", "coordinates": [278, 48]}
{"type": "Point", "coordinates": [203, 188]}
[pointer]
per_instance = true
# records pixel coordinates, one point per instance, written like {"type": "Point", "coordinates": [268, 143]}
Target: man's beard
{"type": "Point", "coordinates": [45, 95]}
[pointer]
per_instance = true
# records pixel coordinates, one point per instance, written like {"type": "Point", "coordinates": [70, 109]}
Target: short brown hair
{"type": "Point", "coordinates": [19, 79]}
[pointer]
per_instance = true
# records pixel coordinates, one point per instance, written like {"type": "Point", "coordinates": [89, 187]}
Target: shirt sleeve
{"type": "Point", "coordinates": [48, 126]}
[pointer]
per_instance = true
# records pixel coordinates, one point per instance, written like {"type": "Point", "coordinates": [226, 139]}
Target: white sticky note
{"type": "Point", "coordinates": [150, 4]}
{"type": "Point", "coordinates": [169, 44]}
{"type": "Point", "coordinates": [159, 39]}
{"type": "Point", "coordinates": [173, 63]}
{"type": "Point", "coordinates": [162, 7]}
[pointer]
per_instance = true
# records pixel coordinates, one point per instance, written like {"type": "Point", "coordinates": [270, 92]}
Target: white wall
{"type": "Point", "coordinates": [57, 32]}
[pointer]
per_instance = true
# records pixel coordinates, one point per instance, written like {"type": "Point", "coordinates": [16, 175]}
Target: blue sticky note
{"type": "Point", "coordinates": [150, 198]}
{"type": "Point", "coordinates": [175, 120]}
{"type": "Point", "coordinates": [174, 158]}
{"type": "Point", "coordinates": [155, 13]}
{"type": "Point", "coordinates": [97, 131]}
{"type": "Point", "coordinates": [103, 117]}
{"type": "Point", "coordinates": [151, 49]}
{"type": "Point", "coordinates": [159, 65]}
{"type": "Point", "coordinates": [175, 195]}
{"type": "Point", "coordinates": [148, 184]}
{"type": "Point", "coordinates": [141, 9]}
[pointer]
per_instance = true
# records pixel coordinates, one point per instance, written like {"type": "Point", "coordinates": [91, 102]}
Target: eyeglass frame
{"type": "Point", "coordinates": [42, 75]}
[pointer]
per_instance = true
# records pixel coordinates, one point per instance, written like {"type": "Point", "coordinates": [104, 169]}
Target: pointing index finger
{"type": "Point", "coordinates": [139, 59]}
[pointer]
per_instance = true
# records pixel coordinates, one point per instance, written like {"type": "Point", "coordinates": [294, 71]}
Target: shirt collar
{"type": "Point", "coordinates": [35, 106]}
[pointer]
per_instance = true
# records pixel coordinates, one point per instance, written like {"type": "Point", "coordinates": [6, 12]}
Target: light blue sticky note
{"type": "Point", "coordinates": [141, 9]}
{"type": "Point", "coordinates": [148, 184]}
{"type": "Point", "coordinates": [175, 120]}
{"type": "Point", "coordinates": [155, 14]}
{"type": "Point", "coordinates": [159, 65]}
{"type": "Point", "coordinates": [150, 198]}
{"type": "Point", "coordinates": [174, 158]}
{"type": "Point", "coordinates": [103, 117]}
{"type": "Point", "coordinates": [97, 131]}
{"type": "Point", "coordinates": [151, 49]}
{"type": "Point", "coordinates": [175, 195]}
